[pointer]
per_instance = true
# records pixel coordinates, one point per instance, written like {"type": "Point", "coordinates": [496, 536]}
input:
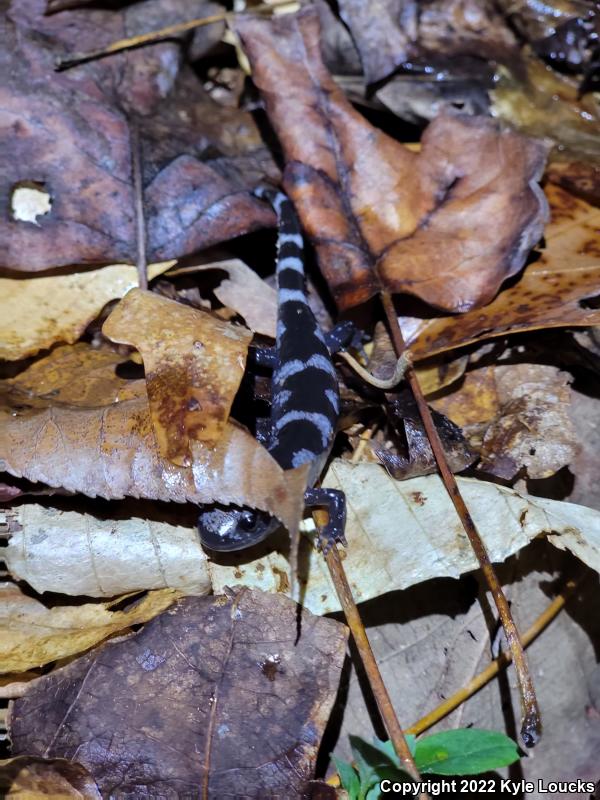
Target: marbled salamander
{"type": "Point", "coordinates": [305, 399]}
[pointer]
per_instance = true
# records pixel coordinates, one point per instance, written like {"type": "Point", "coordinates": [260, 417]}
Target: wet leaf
{"type": "Point", "coordinates": [521, 414]}
{"type": "Point", "coordinates": [193, 362]}
{"type": "Point", "coordinates": [404, 532]}
{"type": "Point", "coordinates": [399, 31]}
{"type": "Point", "coordinates": [364, 198]}
{"type": "Point", "coordinates": [549, 104]}
{"type": "Point", "coordinates": [109, 450]}
{"type": "Point", "coordinates": [32, 635]}
{"type": "Point", "coordinates": [75, 553]}
{"type": "Point", "coordinates": [216, 696]}
{"type": "Point", "coordinates": [29, 778]}
{"type": "Point", "coordinates": [551, 293]}
{"type": "Point", "coordinates": [79, 147]}
{"type": "Point", "coordinates": [38, 312]}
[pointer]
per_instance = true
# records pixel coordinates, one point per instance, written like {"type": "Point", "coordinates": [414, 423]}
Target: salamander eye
{"type": "Point", "coordinates": [248, 520]}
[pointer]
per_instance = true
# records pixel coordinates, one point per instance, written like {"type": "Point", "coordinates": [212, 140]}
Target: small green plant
{"type": "Point", "coordinates": [463, 751]}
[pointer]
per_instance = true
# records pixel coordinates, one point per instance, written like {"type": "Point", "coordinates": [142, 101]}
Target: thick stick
{"type": "Point", "coordinates": [531, 726]}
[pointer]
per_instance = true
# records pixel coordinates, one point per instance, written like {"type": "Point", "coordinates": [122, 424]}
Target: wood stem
{"type": "Point", "coordinates": [530, 716]}
{"type": "Point", "coordinates": [359, 634]}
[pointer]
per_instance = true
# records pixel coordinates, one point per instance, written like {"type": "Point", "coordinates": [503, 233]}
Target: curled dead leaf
{"type": "Point", "coordinates": [109, 450]}
{"type": "Point", "coordinates": [551, 292]}
{"type": "Point", "coordinates": [193, 361]}
{"type": "Point", "coordinates": [243, 291]}
{"type": "Point", "coordinates": [32, 635]}
{"type": "Point", "coordinates": [520, 415]}
{"type": "Point", "coordinates": [379, 214]}
{"type": "Point", "coordinates": [38, 312]}
{"type": "Point", "coordinates": [73, 553]}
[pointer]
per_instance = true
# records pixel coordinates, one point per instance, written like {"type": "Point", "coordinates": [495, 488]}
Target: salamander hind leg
{"type": "Point", "coordinates": [228, 528]}
{"type": "Point", "coordinates": [335, 503]}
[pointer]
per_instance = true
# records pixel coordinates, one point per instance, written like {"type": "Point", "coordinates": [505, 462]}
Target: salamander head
{"type": "Point", "coordinates": [226, 528]}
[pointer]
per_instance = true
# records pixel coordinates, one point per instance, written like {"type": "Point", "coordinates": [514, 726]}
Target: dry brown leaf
{"type": "Point", "coordinates": [109, 450]}
{"type": "Point", "coordinates": [77, 375]}
{"type": "Point", "coordinates": [520, 415]}
{"type": "Point", "coordinates": [392, 32]}
{"type": "Point", "coordinates": [380, 214]}
{"type": "Point", "coordinates": [38, 312]}
{"type": "Point", "coordinates": [199, 160]}
{"type": "Point", "coordinates": [404, 532]}
{"type": "Point", "coordinates": [243, 291]}
{"type": "Point", "coordinates": [31, 778]}
{"type": "Point", "coordinates": [550, 293]}
{"type": "Point", "coordinates": [80, 554]}
{"type": "Point", "coordinates": [32, 635]}
{"type": "Point", "coordinates": [193, 361]}
{"type": "Point", "coordinates": [217, 698]}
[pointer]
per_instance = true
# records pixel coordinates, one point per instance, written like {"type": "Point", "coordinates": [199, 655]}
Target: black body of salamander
{"type": "Point", "coordinates": [305, 399]}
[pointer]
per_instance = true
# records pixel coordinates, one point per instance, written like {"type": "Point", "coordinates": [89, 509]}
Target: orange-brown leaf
{"type": "Point", "coordinates": [194, 363]}
{"type": "Point", "coordinates": [548, 295]}
{"type": "Point", "coordinates": [448, 224]}
{"type": "Point", "coordinates": [109, 450]}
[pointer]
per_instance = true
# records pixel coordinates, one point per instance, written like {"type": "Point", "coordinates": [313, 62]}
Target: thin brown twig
{"type": "Point", "coordinates": [138, 197]}
{"type": "Point", "coordinates": [530, 715]}
{"type": "Point", "coordinates": [355, 623]}
{"type": "Point", "coordinates": [494, 667]}
{"type": "Point", "coordinates": [152, 37]}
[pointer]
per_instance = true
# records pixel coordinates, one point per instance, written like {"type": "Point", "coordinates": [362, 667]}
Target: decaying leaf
{"type": "Point", "coordinates": [380, 214]}
{"type": "Point", "coordinates": [193, 361]}
{"type": "Point", "coordinates": [76, 375]}
{"type": "Point", "coordinates": [245, 292]}
{"type": "Point", "coordinates": [38, 312]}
{"type": "Point", "coordinates": [551, 293]}
{"type": "Point", "coordinates": [80, 554]}
{"type": "Point", "coordinates": [549, 104]}
{"type": "Point", "coordinates": [109, 450]}
{"type": "Point", "coordinates": [217, 698]}
{"type": "Point", "coordinates": [32, 635]}
{"type": "Point", "coordinates": [30, 778]}
{"type": "Point", "coordinates": [520, 414]}
{"type": "Point", "coordinates": [79, 146]}
{"type": "Point", "coordinates": [396, 31]}
{"type": "Point", "coordinates": [411, 454]}
{"type": "Point", "coordinates": [404, 532]}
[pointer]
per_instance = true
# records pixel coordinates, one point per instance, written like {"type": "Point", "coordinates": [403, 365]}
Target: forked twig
{"type": "Point", "coordinates": [494, 667]}
{"type": "Point", "coordinates": [384, 702]}
{"type": "Point", "coordinates": [530, 715]}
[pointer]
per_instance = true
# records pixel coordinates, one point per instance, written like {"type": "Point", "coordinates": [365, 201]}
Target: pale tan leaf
{"type": "Point", "coordinates": [404, 532]}
{"type": "Point", "coordinates": [34, 778]}
{"type": "Point", "coordinates": [39, 311]}
{"type": "Point", "coordinates": [80, 554]}
{"type": "Point", "coordinates": [32, 635]}
{"type": "Point", "coordinates": [243, 291]}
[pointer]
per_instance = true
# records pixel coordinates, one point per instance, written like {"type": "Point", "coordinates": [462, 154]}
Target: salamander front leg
{"type": "Point", "coordinates": [335, 503]}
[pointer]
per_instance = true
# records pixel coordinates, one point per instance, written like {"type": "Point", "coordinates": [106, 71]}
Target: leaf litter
{"type": "Point", "coordinates": [149, 417]}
